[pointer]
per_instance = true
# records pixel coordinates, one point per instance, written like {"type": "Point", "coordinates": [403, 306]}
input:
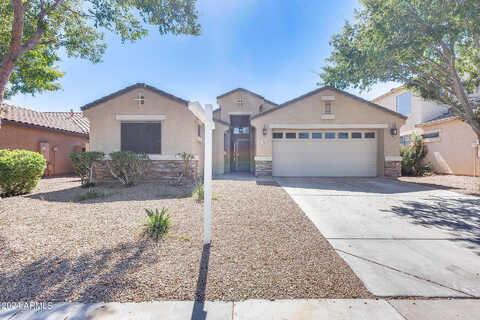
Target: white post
{"type": "Point", "coordinates": [207, 176]}
{"type": "Point", "coordinates": [206, 116]}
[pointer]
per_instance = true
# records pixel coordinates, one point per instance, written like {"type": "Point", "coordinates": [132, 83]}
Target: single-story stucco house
{"type": "Point", "coordinates": [326, 132]}
{"type": "Point", "coordinates": [53, 134]}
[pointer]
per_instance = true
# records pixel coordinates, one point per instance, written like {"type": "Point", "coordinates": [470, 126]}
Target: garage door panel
{"type": "Point", "coordinates": [336, 158]}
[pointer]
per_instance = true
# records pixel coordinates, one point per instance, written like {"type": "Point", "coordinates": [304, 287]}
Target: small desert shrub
{"type": "Point", "coordinates": [187, 158]}
{"type": "Point", "coordinates": [20, 171]}
{"type": "Point", "coordinates": [413, 156]}
{"type": "Point", "coordinates": [128, 166]}
{"type": "Point", "coordinates": [158, 223]}
{"type": "Point", "coordinates": [82, 163]}
{"type": "Point", "coordinates": [90, 195]}
{"type": "Point", "coordinates": [198, 193]}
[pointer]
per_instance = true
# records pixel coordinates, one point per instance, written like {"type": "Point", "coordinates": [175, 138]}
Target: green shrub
{"type": "Point", "coordinates": [198, 192]}
{"type": "Point", "coordinates": [128, 166]}
{"type": "Point", "coordinates": [413, 156]}
{"type": "Point", "coordinates": [82, 163]}
{"type": "Point", "coordinates": [157, 223]}
{"type": "Point", "coordinates": [20, 171]}
{"type": "Point", "coordinates": [90, 195]}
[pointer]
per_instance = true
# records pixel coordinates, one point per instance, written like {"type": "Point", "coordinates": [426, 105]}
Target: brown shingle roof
{"type": "Point", "coordinates": [69, 122]}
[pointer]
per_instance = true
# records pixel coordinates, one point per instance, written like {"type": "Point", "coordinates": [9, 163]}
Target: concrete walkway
{"type": "Point", "coordinates": [400, 239]}
{"type": "Point", "coordinates": [331, 309]}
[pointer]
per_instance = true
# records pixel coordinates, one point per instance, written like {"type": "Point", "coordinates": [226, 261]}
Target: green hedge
{"type": "Point", "coordinates": [20, 171]}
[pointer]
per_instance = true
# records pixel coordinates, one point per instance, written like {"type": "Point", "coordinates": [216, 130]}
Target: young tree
{"type": "Point", "coordinates": [32, 32]}
{"type": "Point", "coordinates": [431, 46]}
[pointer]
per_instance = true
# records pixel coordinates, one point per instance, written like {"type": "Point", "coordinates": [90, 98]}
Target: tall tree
{"type": "Point", "coordinates": [32, 32]}
{"type": "Point", "coordinates": [433, 47]}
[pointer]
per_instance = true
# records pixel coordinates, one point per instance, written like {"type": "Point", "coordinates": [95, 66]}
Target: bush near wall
{"type": "Point", "coordinates": [20, 171]}
{"type": "Point", "coordinates": [83, 163]}
{"type": "Point", "coordinates": [413, 156]}
{"type": "Point", "coordinates": [128, 167]}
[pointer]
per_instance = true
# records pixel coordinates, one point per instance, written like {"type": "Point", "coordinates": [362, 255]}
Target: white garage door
{"type": "Point", "coordinates": [324, 154]}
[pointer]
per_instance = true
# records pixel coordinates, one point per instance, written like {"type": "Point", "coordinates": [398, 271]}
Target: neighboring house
{"type": "Point", "coordinates": [53, 134]}
{"type": "Point", "coordinates": [326, 132]}
{"type": "Point", "coordinates": [452, 145]}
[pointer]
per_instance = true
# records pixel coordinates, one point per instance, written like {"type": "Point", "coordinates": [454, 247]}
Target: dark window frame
{"type": "Point", "coordinates": [301, 135]}
{"type": "Point", "coordinates": [317, 135]}
{"type": "Point", "coordinates": [277, 133]}
{"type": "Point", "coordinates": [431, 135]}
{"type": "Point", "coordinates": [328, 137]}
{"type": "Point", "coordinates": [356, 135]}
{"type": "Point", "coordinates": [138, 139]}
{"type": "Point", "coordinates": [369, 135]}
{"type": "Point", "coordinates": [290, 135]}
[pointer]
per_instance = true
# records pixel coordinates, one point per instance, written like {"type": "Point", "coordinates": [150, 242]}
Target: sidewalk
{"type": "Point", "coordinates": [331, 309]}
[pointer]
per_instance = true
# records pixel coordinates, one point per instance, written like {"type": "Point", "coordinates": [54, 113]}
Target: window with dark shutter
{"type": "Point", "coordinates": [141, 137]}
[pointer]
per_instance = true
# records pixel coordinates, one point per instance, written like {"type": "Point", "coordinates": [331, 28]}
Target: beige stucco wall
{"type": "Point", "coordinates": [453, 152]}
{"type": "Point", "coordinates": [218, 156]}
{"type": "Point", "coordinates": [179, 130]}
{"type": "Point", "coordinates": [346, 110]}
{"type": "Point", "coordinates": [422, 110]}
{"type": "Point", "coordinates": [229, 105]}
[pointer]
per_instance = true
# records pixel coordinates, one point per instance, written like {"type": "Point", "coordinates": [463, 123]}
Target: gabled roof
{"type": "Point", "coordinates": [442, 117]}
{"type": "Point", "coordinates": [129, 88]}
{"type": "Point", "coordinates": [67, 122]}
{"type": "Point", "coordinates": [311, 93]}
{"type": "Point", "coordinates": [247, 91]}
{"type": "Point", "coordinates": [222, 122]}
{"type": "Point", "coordinates": [386, 94]}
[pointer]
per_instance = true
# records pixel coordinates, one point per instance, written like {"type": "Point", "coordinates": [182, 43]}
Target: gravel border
{"type": "Point", "coordinates": [263, 246]}
{"type": "Point", "coordinates": [460, 184]}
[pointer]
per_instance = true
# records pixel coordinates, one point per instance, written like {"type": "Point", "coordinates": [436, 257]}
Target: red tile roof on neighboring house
{"type": "Point", "coordinates": [67, 122]}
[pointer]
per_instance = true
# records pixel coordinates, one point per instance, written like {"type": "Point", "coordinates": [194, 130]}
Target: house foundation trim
{"type": "Point", "coordinates": [161, 157]}
{"type": "Point", "coordinates": [263, 158]}
{"type": "Point", "coordinates": [329, 126]}
{"type": "Point", "coordinates": [140, 117]}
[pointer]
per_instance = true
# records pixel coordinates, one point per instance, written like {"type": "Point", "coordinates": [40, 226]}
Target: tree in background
{"type": "Point", "coordinates": [433, 47]}
{"type": "Point", "coordinates": [32, 32]}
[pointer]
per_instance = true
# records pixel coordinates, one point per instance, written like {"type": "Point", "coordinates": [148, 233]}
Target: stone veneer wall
{"type": "Point", "coordinates": [263, 168]}
{"type": "Point", "coordinates": [393, 168]}
{"type": "Point", "coordinates": [160, 170]}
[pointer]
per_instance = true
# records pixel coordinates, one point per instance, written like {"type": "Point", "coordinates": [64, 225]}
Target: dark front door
{"type": "Point", "coordinates": [240, 143]}
{"type": "Point", "coordinates": [241, 155]}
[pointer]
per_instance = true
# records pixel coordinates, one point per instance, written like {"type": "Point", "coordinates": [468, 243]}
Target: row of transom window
{"type": "Point", "coordinates": [323, 135]}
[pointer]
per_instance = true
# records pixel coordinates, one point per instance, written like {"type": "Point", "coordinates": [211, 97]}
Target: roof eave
{"type": "Point", "coordinates": [40, 127]}
{"type": "Point", "coordinates": [128, 89]}
{"type": "Point", "coordinates": [308, 94]}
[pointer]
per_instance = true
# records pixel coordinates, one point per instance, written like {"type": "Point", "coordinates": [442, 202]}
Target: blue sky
{"type": "Point", "coordinates": [272, 47]}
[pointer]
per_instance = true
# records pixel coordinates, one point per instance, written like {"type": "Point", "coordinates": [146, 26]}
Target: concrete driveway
{"type": "Point", "coordinates": [401, 239]}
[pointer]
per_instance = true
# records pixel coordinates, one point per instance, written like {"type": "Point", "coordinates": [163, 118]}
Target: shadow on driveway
{"type": "Point", "coordinates": [459, 216]}
{"type": "Point", "coordinates": [342, 185]}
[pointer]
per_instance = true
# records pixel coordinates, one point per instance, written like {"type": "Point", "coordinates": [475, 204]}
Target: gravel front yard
{"type": "Point", "coordinates": [460, 184]}
{"type": "Point", "coordinates": [54, 248]}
